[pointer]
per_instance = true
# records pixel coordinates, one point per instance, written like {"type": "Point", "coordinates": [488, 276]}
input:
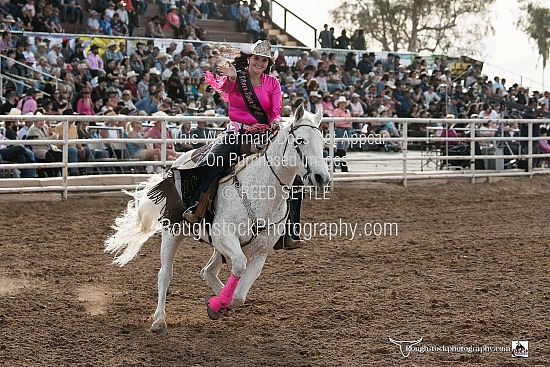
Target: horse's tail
{"type": "Point", "coordinates": [138, 222]}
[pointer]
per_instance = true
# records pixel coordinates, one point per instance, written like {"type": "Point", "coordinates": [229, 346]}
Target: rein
{"type": "Point", "coordinates": [300, 154]}
{"type": "Point", "coordinates": [244, 199]}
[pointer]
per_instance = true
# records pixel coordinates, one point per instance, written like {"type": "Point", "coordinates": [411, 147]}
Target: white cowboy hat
{"type": "Point", "coordinates": [154, 71]}
{"type": "Point", "coordinates": [314, 93]}
{"type": "Point", "coordinates": [260, 48]}
{"type": "Point", "coordinates": [342, 99]}
{"type": "Point", "coordinates": [211, 113]}
{"type": "Point", "coordinates": [162, 54]}
{"type": "Point", "coordinates": [112, 43]}
{"type": "Point", "coordinates": [131, 74]}
{"type": "Point", "coordinates": [159, 113]}
{"type": "Point", "coordinates": [9, 19]}
{"type": "Point", "coordinates": [15, 111]}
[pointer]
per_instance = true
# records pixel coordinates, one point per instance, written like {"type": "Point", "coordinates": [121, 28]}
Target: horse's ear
{"type": "Point", "coordinates": [299, 115]}
{"type": "Point", "coordinates": [318, 116]}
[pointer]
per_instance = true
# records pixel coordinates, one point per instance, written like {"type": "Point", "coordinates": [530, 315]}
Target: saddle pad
{"type": "Point", "coordinates": [240, 165]}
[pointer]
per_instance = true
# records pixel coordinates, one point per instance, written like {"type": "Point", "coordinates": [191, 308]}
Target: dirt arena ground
{"type": "Point", "coordinates": [468, 267]}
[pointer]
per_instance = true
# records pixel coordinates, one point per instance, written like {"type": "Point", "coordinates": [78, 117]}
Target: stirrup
{"type": "Point", "coordinates": [292, 244]}
{"type": "Point", "coordinates": [191, 217]}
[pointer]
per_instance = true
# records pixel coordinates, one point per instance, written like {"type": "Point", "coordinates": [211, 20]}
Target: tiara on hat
{"type": "Point", "coordinates": [260, 48]}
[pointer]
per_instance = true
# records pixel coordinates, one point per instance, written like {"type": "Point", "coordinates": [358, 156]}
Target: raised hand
{"type": "Point", "coordinates": [228, 69]}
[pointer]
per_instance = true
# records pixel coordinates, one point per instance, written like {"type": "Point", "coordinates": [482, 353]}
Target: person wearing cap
{"type": "Point", "coordinates": [118, 27]}
{"type": "Point", "coordinates": [95, 63]}
{"type": "Point", "coordinates": [84, 105]}
{"type": "Point", "coordinates": [54, 54]}
{"type": "Point", "coordinates": [46, 153]}
{"type": "Point", "coordinates": [92, 25]}
{"type": "Point", "coordinates": [253, 26]}
{"type": "Point", "coordinates": [28, 103]}
{"type": "Point", "coordinates": [252, 66]}
{"type": "Point", "coordinates": [342, 129]}
{"type": "Point", "coordinates": [153, 29]}
{"type": "Point", "coordinates": [172, 21]}
{"type": "Point", "coordinates": [131, 85]}
{"type": "Point", "coordinates": [123, 13]}
{"type": "Point", "coordinates": [110, 53]}
{"type": "Point", "coordinates": [127, 99]}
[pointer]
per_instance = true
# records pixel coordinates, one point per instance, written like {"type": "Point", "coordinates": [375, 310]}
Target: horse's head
{"type": "Point", "coordinates": [307, 143]}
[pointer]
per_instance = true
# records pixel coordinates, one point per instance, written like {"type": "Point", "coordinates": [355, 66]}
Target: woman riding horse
{"type": "Point", "coordinates": [255, 103]}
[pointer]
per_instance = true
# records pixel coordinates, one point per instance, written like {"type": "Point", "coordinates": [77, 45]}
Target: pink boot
{"type": "Point", "coordinates": [219, 304]}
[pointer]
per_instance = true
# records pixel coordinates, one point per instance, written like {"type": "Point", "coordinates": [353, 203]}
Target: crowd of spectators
{"type": "Point", "coordinates": [149, 80]}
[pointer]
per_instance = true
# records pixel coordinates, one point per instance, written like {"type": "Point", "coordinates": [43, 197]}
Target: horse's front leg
{"type": "Point", "coordinates": [210, 272]}
{"type": "Point", "coordinates": [168, 249]}
{"type": "Point", "coordinates": [230, 247]}
{"type": "Point", "coordinates": [253, 270]}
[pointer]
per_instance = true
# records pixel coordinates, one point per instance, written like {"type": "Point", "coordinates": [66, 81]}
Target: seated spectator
{"type": "Point", "coordinates": [28, 104]}
{"type": "Point", "coordinates": [172, 22]}
{"type": "Point", "coordinates": [141, 151]}
{"type": "Point", "coordinates": [356, 107]}
{"type": "Point", "coordinates": [105, 25]}
{"type": "Point", "coordinates": [118, 28]}
{"type": "Point", "coordinates": [156, 133]}
{"type": "Point", "coordinates": [153, 29]}
{"type": "Point", "coordinates": [17, 154]}
{"type": "Point", "coordinates": [72, 12]}
{"type": "Point", "coordinates": [253, 26]}
{"type": "Point", "coordinates": [244, 14]}
{"type": "Point", "coordinates": [544, 145]}
{"type": "Point", "coordinates": [84, 104]}
{"type": "Point", "coordinates": [47, 153]}
{"type": "Point", "coordinates": [184, 137]}
{"type": "Point", "coordinates": [92, 25]}
{"type": "Point", "coordinates": [200, 132]}
{"type": "Point", "coordinates": [75, 151]}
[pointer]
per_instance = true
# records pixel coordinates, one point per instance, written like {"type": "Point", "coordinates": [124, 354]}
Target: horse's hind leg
{"type": "Point", "coordinates": [210, 272]}
{"type": "Point", "coordinates": [168, 248]}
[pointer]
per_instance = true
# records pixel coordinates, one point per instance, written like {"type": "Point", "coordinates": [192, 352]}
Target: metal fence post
{"type": "Point", "coordinates": [331, 153]}
{"type": "Point", "coordinates": [65, 168]}
{"type": "Point", "coordinates": [473, 151]}
{"type": "Point", "coordinates": [404, 145]}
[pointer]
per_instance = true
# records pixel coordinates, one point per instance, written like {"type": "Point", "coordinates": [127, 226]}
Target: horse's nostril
{"type": "Point", "coordinates": [318, 179]}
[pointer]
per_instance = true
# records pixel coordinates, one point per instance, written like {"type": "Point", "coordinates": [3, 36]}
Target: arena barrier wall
{"type": "Point", "coordinates": [64, 184]}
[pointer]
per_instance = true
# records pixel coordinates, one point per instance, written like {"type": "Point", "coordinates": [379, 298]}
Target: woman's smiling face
{"type": "Point", "coordinates": [257, 63]}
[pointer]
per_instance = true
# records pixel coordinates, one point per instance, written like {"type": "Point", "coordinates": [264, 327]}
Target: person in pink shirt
{"type": "Point", "coordinates": [84, 105]}
{"type": "Point", "coordinates": [248, 74]}
{"type": "Point", "coordinates": [95, 63]}
{"type": "Point", "coordinates": [28, 103]}
{"type": "Point", "coordinates": [156, 133]}
{"type": "Point", "coordinates": [544, 146]}
{"type": "Point", "coordinates": [342, 129]}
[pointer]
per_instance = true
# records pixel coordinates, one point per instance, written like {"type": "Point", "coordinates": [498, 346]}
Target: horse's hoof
{"type": "Point", "coordinates": [158, 326]}
{"type": "Point", "coordinates": [213, 315]}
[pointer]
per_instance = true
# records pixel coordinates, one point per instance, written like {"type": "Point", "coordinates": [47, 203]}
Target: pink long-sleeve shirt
{"type": "Point", "coordinates": [269, 95]}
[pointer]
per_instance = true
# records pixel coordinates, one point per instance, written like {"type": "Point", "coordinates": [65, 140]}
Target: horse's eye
{"type": "Point", "coordinates": [300, 141]}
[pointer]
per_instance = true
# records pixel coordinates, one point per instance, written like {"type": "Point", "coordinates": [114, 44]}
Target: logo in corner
{"type": "Point", "coordinates": [520, 349]}
{"type": "Point", "coordinates": [405, 345]}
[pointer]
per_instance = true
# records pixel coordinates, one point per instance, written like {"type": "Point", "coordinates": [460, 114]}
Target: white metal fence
{"type": "Point", "coordinates": [431, 144]}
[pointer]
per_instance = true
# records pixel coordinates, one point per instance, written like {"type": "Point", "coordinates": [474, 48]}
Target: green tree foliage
{"type": "Point", "coordinates": [444, 26]}
{"type": "Point", "coordinates": [535, 22]}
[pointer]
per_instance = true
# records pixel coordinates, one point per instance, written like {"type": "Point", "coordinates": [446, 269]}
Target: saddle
{"type": "Point", "coordinates": [181, 182]}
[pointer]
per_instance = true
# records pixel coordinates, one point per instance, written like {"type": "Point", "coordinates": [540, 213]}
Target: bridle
{"type": "Point", "coordinates": [298, 151]}
{"type": "Point", "coordinates": [244, 199]}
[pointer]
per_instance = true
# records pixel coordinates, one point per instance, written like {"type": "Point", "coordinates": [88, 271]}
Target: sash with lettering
{"type": "Point", "coordinates": [250, 98]}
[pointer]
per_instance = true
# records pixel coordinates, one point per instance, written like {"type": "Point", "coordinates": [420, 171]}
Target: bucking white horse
{"type": "Point", "coordinates": [297, 149]}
